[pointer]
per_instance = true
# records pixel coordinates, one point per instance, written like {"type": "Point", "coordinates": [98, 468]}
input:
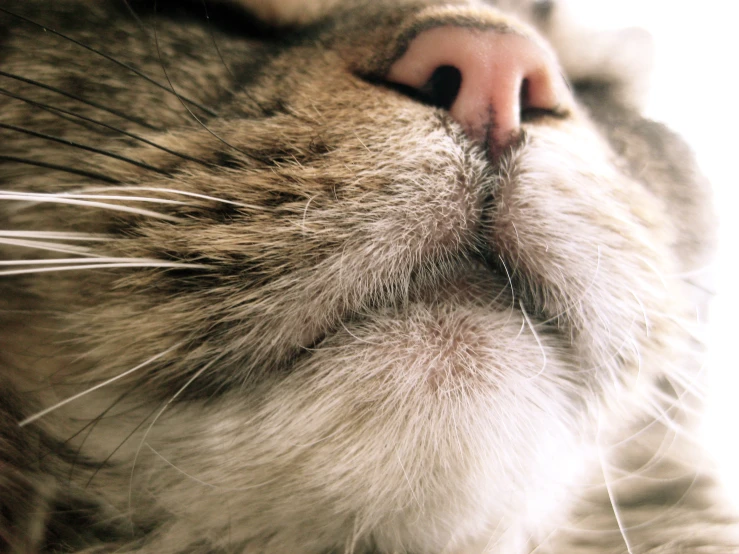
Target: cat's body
{"type": "Point", "coordinates": [299, 307]}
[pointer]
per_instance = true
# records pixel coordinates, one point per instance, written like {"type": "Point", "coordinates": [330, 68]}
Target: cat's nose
{"type": "Point", "coordinates": [487, 79]}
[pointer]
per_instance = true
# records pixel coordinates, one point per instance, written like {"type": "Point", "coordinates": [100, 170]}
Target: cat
{"type": "Point", "coordinates": [345, 276]}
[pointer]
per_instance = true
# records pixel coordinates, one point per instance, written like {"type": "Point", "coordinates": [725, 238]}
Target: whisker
{"type": "Point", "coordinates": [647, 324]}
{"type": "Point", "coordinates": [203, 125]}
{"type": "Point", "coordinates": [197, 374]}
{"type": "Point", "coordinates": [107, 57]}
{"type": "Point", "coordinates": [575, 302]}
{"type": "Point", "coordinates": [153, 264]}
{"type": "Point", "coordinates": [57, 199]}
{"type": "Point", "coordinates": [78, 119]}
{"type": "Point", "coordinates": [133, 14]}
{"type": "Point", "coordinates": [110, 197]}
{"type": "Point", "coordinates": [66, 401]}
{"type": "Point", "coordinates": [50, 246]}
{"type": "Point", "coordinates": [662, 515]}
{"type": "Point", "coordinates": [56, 235]}
{"type": "Point", "coordinates": [81, 146]}
{"type": "Point", "coordinates": [654, 460]}
{"type": "Point", "coordinates": [80, 99]}
{"type": "Point", "coordinates": [611, 494]}
{"type": "Point", "coordinates": [510, 280]}
{"type": "Point", "coordinates": [205, 483]}
{"type": "Point", "coordinates": [213, 37]}
{"type": "Point", "coordinates": [120, 445]}
{"type": "Point", "coordinates": [695, 272]}
{"type": "Point", "coordinates": [73, 260]}
{"type": "Point", "coordinates": [709, 291]}
{"type": "Point", "coordinates": [351, 541]}
{"type": "Point", "coordinates": [654, 269]}
{"type": "Point", "coordinates": [71, 170]}
{"type": "Point", "coordinates": [690, 384]}
{"type": "Point", "coordinates": [538, 341]}
{"type": "Point", "coordinates": [408, 481]}
{"type": "Point", "coordinates": [91, 426]}
{"type": "Point", "coordinates": [220, 56]}
{"type": "Point", "coordinates": [172, 191]}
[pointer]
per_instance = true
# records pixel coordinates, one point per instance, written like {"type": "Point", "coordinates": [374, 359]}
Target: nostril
{"type": "Point", "coordinates": [524, 95]}
{"type": "Point", "coordinates": [528, 111]}
{"type": "Point", "coordinates": [538, 97]}
{"type": "Point", "coordinates": [442, 88]}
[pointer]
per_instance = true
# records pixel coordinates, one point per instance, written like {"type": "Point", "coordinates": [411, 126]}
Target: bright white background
{"type": "Point", "coordinates": [695, 89]}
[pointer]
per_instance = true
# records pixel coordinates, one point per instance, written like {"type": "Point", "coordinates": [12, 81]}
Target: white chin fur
{"type": "Point", "coordinates": [380, 438]}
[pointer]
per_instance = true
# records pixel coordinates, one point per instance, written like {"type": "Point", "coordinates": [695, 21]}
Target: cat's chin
{"type": "Point", "coordinates": [442, 418]}
{"type": "Point", "coordinates": [449, 424]}
{"type": "Point", "coordinates": [452, 422]}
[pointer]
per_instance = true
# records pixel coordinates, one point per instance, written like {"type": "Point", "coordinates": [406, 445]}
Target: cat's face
{"type": "Point", "coordinates": [343, 315]}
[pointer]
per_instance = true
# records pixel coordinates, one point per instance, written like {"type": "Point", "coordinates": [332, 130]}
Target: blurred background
{"type": "Point", "coordinates": [695, 89]}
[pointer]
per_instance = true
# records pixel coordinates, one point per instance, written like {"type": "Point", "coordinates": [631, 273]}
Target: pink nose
{"type": "Point", "coordinates": [502, 76]}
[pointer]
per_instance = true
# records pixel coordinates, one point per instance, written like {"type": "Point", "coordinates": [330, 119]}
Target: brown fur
{"type": "Point", "coordinates": [335, 323]}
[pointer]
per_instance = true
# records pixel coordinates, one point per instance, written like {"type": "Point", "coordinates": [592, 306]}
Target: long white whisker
{"type": "Point", "coordinates": [153, 263]}
{"type": "Point", "coordinates": [538, 341]}
{"type": "Point", "coordinates": [66, 401]}
{"type": "Point", "coordinates": [50, 246]}
{"type": "Point", "coordinates": [510, 280]}
{"type": "Point", "coordinates": [83, 237]}
{"type": "Point", "coordinates": [205, 483]}
{"type": "Point", "coordinates": [647, 324]}
{"type": "Point", "coordinates": [78, 202]}
{"type": "Point", "coordinates": [609, 489]}
{"type": "Point", "coordinates": [54, 261]}
{"type": "Point", "coordinates": [156, 418]}
{"type": "Point", "coordinates": [694, 272]}
{"type": "Point", "coordinates": [351, 542]}
{"type": "Point", "coordinates": [690, 383]}
{"type": "Point", "coordinates": [115, 197]}
{"type": "Point", "coordinates": [170, 191]}
{"type": "Point", "coordinates": [583, 294]}
{"type": "Point", "coordinates": [655, 270]}
{"type": "Point", "coordinates": [408, 481]}
{"type": "Point", "coordinates": [673, 507]}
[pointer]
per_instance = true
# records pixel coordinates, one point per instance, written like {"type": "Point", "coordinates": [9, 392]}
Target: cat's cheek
{"type": "Point", "coordinates": [586, 241]}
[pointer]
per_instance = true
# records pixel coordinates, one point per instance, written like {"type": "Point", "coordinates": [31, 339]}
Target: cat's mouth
{"type": "Point", "coordinates": [539, 256]}
{"type": "Point", "coordinates": [477, 277]}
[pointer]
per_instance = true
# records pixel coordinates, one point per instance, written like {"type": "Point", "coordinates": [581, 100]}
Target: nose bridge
{"type": "Point", "coordinates": [503, 73]}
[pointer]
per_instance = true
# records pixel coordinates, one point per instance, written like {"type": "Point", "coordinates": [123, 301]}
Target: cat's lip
{"type": "Point", "coordinates": [469, 330]}
{"type": "Point", "coordinates": [473, 281]}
